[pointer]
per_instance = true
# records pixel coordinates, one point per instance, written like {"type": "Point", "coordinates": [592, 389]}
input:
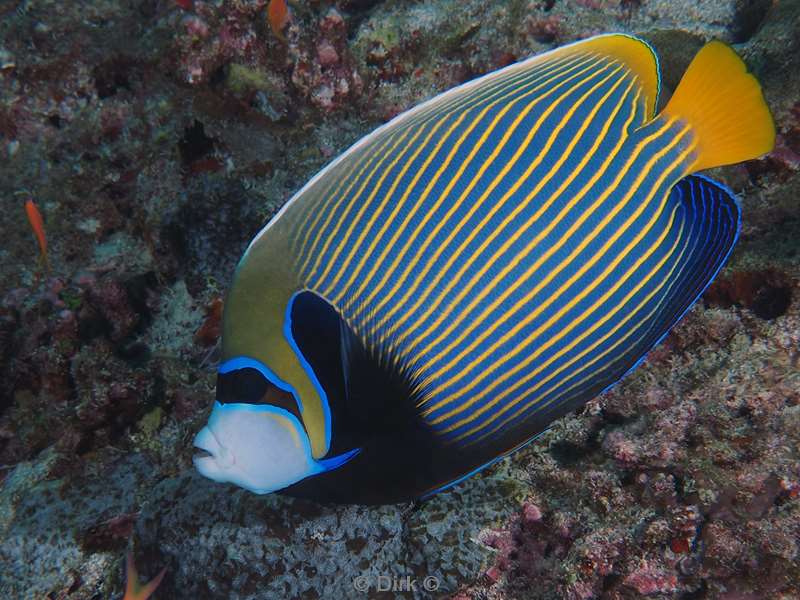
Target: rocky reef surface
{"type": "Point", "coordinates": [157, 136]}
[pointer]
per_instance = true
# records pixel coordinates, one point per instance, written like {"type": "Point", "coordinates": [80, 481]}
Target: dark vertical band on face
{"type": "Point", "coordinates": [249, 386]}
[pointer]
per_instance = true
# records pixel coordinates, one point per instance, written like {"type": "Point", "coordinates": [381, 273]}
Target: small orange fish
{"type": "Point", "coordinates": [135, 591]}
{"type": "Point", "coordinates": [37, 224]}
{"type": "Point", "coordinates": [278, 16]}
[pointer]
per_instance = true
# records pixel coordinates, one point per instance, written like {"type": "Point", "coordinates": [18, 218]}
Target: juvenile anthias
{"type": "Point", "coordinates": [476, 268]}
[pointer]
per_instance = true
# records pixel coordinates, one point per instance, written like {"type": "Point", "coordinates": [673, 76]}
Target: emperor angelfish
{"type": "Point", "coordinates": [476, 268]}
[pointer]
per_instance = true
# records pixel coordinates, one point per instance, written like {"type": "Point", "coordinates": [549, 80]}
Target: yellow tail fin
{"type": "Point", "coordinates": [724, 105]}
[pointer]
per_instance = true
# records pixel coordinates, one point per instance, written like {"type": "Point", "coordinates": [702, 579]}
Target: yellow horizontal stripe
{"type": "Point", "coordinates": [488, 288]}
{"type": "Point", "coordinates": [299, 236]}
{"type": "Point", "coordinates": [365, 229]}
{"type": "Point", "coordinates": [417, 338]}
{"type": "Point", "coordinates": [607, 315]}
{"type": "Point", "coordinates": [605, 353]}
{"type": "Point", "coordinates": [376, 150]}
{"type": "Point", "coordinates": [370, 159]}
{"type": "Point", "coordinates": [388, 221]}
{"type": "Point", "coordinates": [585, 314]}
{"type": "Point", "coordinates": [391, 243]}
{"type": "Point", "coordinates": [342, 175]}
{"type": "Point", "coordinates": [567, 261]}
{"type": "Point", "coordinates": [653, 311]}
{"type": "Point", "coordinates": [390, 295]}
{"type": "Point", "coordinates": [355, 200]}
{"type": "Point", "coordinates": [421, 278]}
{"type": "Point", "coordinates": [526, 277]}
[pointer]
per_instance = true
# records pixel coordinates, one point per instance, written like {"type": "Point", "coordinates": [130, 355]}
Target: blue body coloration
{"type": "Point", "coordinates": [487, 262]}
{"type": "Point", "coordinates": [521, 252]}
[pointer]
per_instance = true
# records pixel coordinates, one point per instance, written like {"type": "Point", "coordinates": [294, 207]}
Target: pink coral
{"type": "Point", "coordinates": [649, 580]}
{"type": "Point", "coordinates": [325, 73]}
{"type": "Point", "coordinates": [620, 448]}
{"type": "Point", "coordinates": [326, 53]}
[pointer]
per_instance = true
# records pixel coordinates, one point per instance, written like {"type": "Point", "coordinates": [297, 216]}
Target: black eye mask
{"type": "Point", "coordinates": [249, 386]}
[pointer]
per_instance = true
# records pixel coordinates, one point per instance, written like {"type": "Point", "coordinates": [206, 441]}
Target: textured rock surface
{"type": "Point", "coordinates": [158, 136]}
{"type": "Point", "coordinates": [261, 547]}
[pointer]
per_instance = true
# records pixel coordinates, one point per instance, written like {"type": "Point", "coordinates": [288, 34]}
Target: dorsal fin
{"type": "Point", "coordinates": [637, 54]}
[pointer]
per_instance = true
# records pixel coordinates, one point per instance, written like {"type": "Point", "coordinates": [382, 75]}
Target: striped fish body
{"type": "Point", "coordinates": [480, 266]}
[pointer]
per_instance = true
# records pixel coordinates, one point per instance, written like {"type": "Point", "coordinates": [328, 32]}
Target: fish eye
{"type": "Point", "coordinates": [249, 386]}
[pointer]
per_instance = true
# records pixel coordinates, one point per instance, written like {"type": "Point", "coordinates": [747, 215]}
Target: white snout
{"type": "Point", "coordinates": [261, 448]}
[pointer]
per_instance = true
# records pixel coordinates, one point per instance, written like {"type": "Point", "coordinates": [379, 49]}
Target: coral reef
{"type": "Point", "coordinates": [158, 136]}
{"type": "Point", "coordinates": [680, 482]}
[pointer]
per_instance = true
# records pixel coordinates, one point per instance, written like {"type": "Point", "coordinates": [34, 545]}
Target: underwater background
{"type": "Point", "coordinates": [156, 137]}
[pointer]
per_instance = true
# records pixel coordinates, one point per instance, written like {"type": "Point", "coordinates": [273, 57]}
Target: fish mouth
{"type": "Point", "coordinates": [206, 445]}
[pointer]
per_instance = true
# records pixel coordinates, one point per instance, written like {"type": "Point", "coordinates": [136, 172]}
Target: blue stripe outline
{"type": "Point", "coordinates": [485, 465]}
{"type": "Point", "coordinates": [243, 362]}
{"type": "Point", "coordinates": [246, 362]}
{"type": "Point", "coordinates": [717, 187]}
{"type": "Point", "coordinates": [323, 397]}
